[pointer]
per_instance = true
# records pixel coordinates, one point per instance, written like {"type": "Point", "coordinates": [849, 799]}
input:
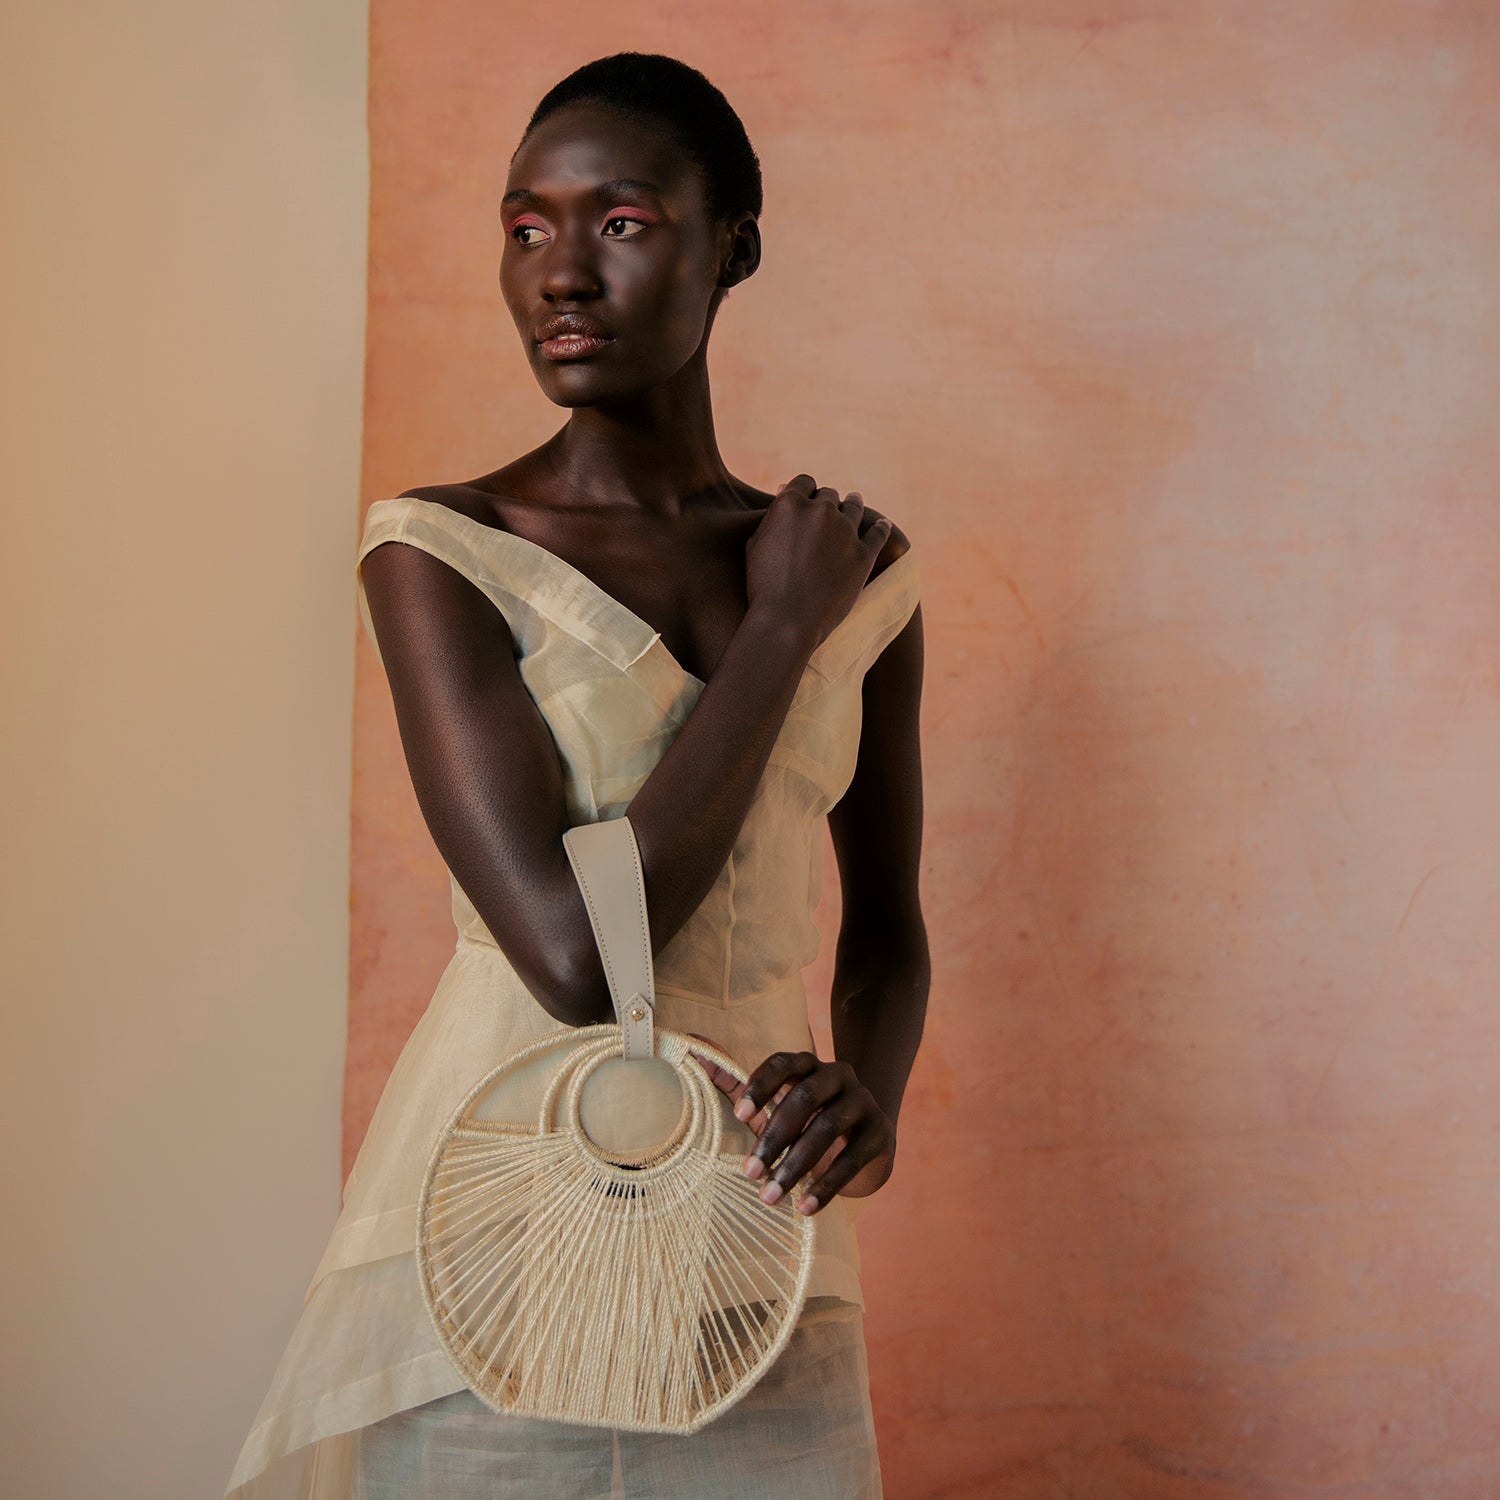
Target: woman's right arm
{"type": "Point", "coordinates": [489, 783]}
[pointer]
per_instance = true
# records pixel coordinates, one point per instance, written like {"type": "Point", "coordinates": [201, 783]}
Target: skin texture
{"type": "Point", "coordinates": [743, 586]}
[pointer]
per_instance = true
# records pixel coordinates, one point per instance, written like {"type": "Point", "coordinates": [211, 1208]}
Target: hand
{"type": "Point", "coordinates": [811, 555]}
{"type": "Point", "coordinates": [733, 1089]}
{"type": "Point", "coordinates": [820, 1120]}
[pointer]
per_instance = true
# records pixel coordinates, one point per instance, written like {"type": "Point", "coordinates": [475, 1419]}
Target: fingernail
{"type": "Point", "coordinates": [770, 1192]}
{"type": "Point", "coordinates": [744, 1109]}
{"type": "Point", "coordinates": [807, 1204]}
{"type": "Point", "coordinates": [754, 1166]}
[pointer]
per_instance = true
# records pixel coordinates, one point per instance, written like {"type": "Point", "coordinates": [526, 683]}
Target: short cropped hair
{"type": "Point", "coordinates": [663, 91]}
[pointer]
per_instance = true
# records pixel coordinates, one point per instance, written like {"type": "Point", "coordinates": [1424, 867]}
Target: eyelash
{"type": "Point", "coordinates": [613, 219]}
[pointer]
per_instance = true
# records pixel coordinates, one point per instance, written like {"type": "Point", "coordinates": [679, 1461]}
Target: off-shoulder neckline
{"type": "Point", "coordinates": [875, 588]}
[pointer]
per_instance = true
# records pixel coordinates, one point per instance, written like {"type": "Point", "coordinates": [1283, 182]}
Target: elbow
{"type": "Point", "coordinates": [890, 942]}
{"type": "Point", "coordinates": [571, 988]}
{"type": "Point", "coordinates": [581, 995]}
{"type": "Point", "coordinates": [582, 988]}
{"type": "Point", "coordinates": [558, 961]}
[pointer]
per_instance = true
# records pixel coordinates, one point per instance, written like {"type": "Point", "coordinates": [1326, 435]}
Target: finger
{"type": "Point", "coordinates": [729, 1084]}
{"type": "Point", "coordinates": [863, 1146]}
{"type": "Point", "coordinates": [791, 1117]}
{"type": "Point", "coordinates": [759, 1118]}
{"type": "Point", "coordinates": [722, 1077]}
{"type": "Point", "coordinates": [764, 1081]}
{"type": "Point", "coordinates": [724, 1080]}
{"type": "Point", "coordinates": [757, 1122]}
{"type": "Point", "coordinates": [829, 1157]}
{"type": "Point", "coordinates": [840, 1120]}
{"type": "Point", "coordinates": [804, 483]}
{"type": "Point", "coordinates": [708, 1064]}
{"type": "Point", "coordinates": [806, 1202]}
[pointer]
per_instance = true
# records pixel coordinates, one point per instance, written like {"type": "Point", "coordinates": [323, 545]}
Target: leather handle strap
{"type": "Point", "coordinates": [606, 862]}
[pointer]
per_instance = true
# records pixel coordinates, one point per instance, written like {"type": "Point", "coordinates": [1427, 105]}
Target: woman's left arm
{"type": "Point", "coordinates": [838, 1119]}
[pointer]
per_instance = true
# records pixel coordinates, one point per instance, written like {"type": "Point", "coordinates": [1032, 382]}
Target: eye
{"type": "Point", "coordinates": [521, 229]}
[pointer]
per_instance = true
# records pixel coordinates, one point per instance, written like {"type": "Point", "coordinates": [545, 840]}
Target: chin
{"type": "Point", "coordinates": [576, 393]}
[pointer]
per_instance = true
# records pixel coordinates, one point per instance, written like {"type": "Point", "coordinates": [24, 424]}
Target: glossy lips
{"type": "Point", "coordinates": [572, 336]}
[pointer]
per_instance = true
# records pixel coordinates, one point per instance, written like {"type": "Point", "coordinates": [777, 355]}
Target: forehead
{"type": "Point", "coordinates": [584, 144]}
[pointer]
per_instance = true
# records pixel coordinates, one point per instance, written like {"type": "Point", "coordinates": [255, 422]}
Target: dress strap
{"type": "Point", "coordinates": [526, 583]}
{"type": "Point", "coordinates": [873, 622]}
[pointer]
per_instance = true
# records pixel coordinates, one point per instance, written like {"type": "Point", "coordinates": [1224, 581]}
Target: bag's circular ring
{"type": "Point", "coordinates": [609, 1044]}
{"type": "Point", "coordinates": [662, 1157]}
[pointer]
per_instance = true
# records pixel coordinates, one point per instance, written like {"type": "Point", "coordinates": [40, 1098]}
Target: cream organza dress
{"type": "Point", "coordinates": [365, 1403]}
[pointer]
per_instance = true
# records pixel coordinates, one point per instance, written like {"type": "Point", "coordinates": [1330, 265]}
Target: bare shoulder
{"type": "Point", "coordinates": [414, 594]}
{"type": "Point", "coordinates": [418, 571]}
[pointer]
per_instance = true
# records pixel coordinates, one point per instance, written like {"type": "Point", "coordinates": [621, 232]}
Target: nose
{"type": "Point", "coordinates": [572, 269]}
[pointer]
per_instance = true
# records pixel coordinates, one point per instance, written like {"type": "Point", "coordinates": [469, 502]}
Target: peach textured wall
{"type": "Point", "coordinates": [183, 292]}
{"type": "Point", "coordinates": [1168, 333]}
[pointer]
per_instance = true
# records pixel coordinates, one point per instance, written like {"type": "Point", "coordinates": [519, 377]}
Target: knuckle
{"type": "Point", "coordinates": [808, 1150]}
{"type": "Point", "coordinates": [805, 1092]}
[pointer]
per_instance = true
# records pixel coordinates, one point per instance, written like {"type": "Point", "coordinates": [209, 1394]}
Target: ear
{"type": "Point", "coordinates": [741, 251]}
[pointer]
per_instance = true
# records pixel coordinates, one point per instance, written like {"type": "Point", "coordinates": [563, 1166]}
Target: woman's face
{"type": "Point", "coordinates": [605, 217]}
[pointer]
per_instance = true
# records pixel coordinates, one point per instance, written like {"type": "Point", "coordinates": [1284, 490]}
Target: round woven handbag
{"type": "Point", "coordinates": [626, 1275]}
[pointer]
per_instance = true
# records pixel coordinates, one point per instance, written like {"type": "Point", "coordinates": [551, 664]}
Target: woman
{"type": "Point", "coordinates": [780, 682]}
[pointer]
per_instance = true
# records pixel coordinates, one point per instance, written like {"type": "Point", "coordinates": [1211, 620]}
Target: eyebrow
{"type": "Point", "coordinates": [611, 189]}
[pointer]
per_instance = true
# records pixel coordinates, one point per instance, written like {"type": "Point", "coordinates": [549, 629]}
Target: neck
{"type": "Point", "coordinates": [655, 452]}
